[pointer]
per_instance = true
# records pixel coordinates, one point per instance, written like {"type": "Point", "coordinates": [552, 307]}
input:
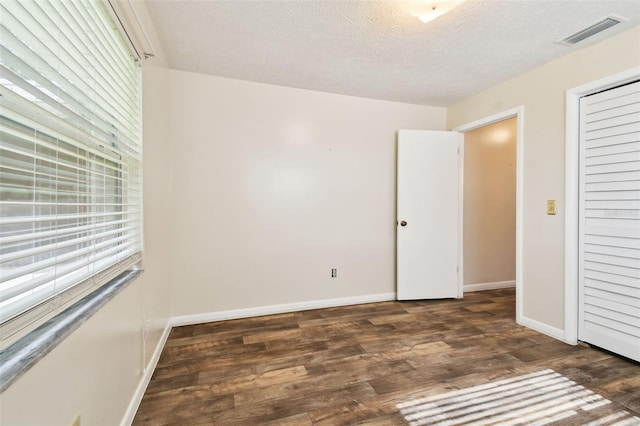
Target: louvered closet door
{"type": "Point", "coordinates": [609, 305]}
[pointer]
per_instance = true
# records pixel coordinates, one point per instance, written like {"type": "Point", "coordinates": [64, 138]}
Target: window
{"type": "Point", "coordinates": [70, 156]}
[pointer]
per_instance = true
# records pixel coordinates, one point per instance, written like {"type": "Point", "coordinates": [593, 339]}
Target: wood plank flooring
{"type": "Point", "coordinates": [392, 363]}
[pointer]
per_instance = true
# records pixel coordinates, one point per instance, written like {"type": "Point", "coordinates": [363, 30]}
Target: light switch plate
{"type": "Point", "coordinates": [551, 206]}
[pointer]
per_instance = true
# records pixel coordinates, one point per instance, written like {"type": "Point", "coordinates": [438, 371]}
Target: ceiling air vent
{"type": "Point", "coordinates": [591, 30]}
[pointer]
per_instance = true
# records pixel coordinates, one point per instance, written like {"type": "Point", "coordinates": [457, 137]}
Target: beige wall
{"type": "Point", "coordinates": [542, 92]}
{"type": "Point", "coordinates": [95, 371]}
{"type": "Point", "coordinates": [490, 203]}
{"type": "Point", "coordinates": [275, 186]}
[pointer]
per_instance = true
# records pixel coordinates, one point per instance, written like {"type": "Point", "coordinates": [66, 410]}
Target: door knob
{"type": "Point", "coordinates": [403, 223]}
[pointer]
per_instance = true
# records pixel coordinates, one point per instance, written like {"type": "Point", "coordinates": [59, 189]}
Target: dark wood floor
{"type": "Point", "coordinates": [393, 363]}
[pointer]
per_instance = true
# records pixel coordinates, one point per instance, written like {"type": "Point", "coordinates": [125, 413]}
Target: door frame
{"type": "Point", "coordinates": [517, 112]}
{"type": "Point", "coordinates": [572, 180]}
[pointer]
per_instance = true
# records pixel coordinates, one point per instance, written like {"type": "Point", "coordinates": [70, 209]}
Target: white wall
{"type": "Point", "coordinates": [275, 186]}
{"type": "Point", "coordinates": [92, 373]}
{"type": "Point", "coordinates": [542, 92]}
{"type": "Point", "coordinates": [158, 205]}
{"type": "Point", "coordinates": [95, 371]}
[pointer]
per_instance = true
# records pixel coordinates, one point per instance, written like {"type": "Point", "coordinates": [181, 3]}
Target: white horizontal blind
{"type": "Point", "coordinates": [70, 152]}
{"type": "Point", "coordinates": [609, 305]}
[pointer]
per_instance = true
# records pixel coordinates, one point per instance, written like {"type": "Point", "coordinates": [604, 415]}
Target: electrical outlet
{"type": "Point", "coordinates": [76, 421]}
{"type": "Point", "coordinates": [551, 207]}
{"type": "Point", "coordinates": [334, 273]}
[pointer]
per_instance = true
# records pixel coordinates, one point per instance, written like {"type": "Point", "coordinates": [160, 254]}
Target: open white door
{"type": "Point", "coordinates": [427, 231]}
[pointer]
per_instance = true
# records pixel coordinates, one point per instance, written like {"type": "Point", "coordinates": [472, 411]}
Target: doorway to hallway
{"type": "Point", "coordinates": [517, 114]}
{"type": "Point", "coordinates": [489, 224]}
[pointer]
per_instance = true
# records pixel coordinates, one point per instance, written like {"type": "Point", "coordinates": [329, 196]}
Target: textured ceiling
{"type": "Point", "coordinates": [376, 49]}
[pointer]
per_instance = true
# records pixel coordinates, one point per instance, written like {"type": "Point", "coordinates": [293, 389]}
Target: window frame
{"type": "Point", "coordinates": [60, 305]}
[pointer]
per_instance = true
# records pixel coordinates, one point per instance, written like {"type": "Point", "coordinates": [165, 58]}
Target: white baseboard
{"type": "Point", "coordinates": [543, 328]}
{"type": "Point", "coordinates": [146, 378]}
{"type": "Point", "coordinates": [489, 286]}
{"type": "Point", "coordinates": [279, 309]}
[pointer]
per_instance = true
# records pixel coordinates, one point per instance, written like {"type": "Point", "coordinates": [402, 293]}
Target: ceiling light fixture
{"type": "Point", "coordinates": [428, 10]}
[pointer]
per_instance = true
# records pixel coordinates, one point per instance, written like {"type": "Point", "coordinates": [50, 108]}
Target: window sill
{"type": "Point", "coordinates": [18, 358]}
